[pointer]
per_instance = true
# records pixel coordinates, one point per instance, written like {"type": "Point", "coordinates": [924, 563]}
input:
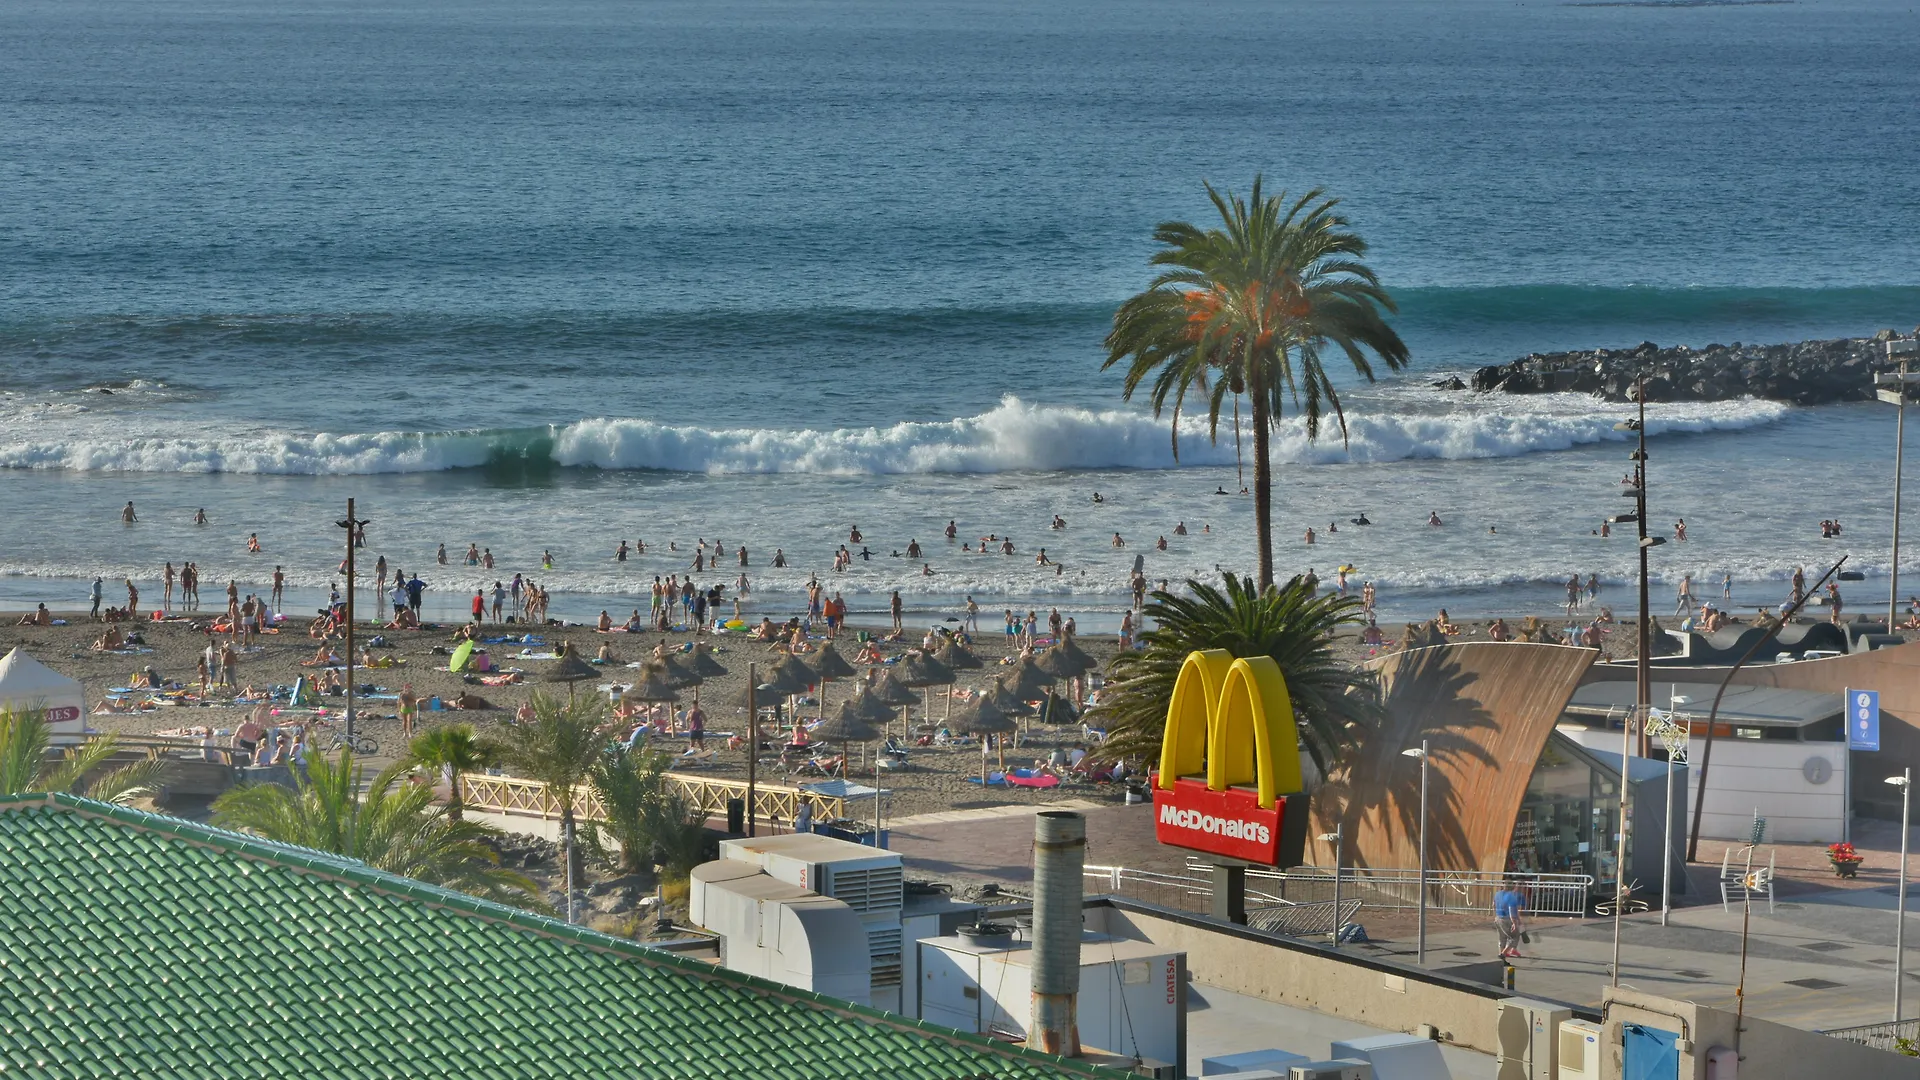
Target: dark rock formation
{"type": "Point", "coordinates": [1805, 373]}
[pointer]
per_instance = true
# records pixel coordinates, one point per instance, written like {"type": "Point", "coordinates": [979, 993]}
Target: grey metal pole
{"type": "Point", "coordinates": [1666, 849]}
{"type": "Point", "coordinates": [1339, 851]}
{"type": "Point", "coordinates": [1422, 956]}
{"type": "Point", "coordinates": [753, 745]}
{"type": "Point", "coordinates": [353, 527]}
{"type": "Point", "coordinates": [1900, 927]}
{"type": "Point", "coordinates": [1620, 837]}
{"type": "Point", "coordinates": [1899, 457]}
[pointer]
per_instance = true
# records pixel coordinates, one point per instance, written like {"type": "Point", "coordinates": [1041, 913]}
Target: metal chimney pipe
{"type": "Point", "coordinates": [1059, 857]}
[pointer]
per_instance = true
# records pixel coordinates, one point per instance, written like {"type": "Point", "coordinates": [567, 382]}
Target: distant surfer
{"type": "Point", "coordinates": [1220, 490]}
{"type": "Point", "coordinates": [1361, 520]}
{"type": "Point", "coordinates": [1098, 498]}
{"type": "Point", "coordinates": [1433, 518]}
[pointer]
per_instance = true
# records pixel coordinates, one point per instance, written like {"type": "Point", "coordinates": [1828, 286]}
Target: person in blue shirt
{"type": "Point", "coordinates": [1508, 904]}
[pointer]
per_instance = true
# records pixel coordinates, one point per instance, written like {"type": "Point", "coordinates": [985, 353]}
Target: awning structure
{"type": "Point", "coordinates": [1744, 705]}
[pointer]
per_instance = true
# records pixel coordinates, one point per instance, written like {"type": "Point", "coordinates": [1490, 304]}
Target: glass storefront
{"type": "Point", "coordinates": [1569, 816]}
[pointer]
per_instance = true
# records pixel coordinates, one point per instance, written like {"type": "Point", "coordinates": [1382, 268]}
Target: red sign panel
{"type": "Point", "coordinates": [1230, 822]}
{"type": "Point", "coordinates": [62, 714]}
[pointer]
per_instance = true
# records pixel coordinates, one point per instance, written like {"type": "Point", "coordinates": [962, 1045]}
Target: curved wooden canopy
{"type": "Point", "coordinates": [1486, 709]}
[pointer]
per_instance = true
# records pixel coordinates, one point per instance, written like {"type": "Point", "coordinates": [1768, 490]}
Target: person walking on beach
{"type": "Point", "coordinates": [1593, 587]}
{"type": "Point", "coordinates": [973, 615]}
{"type": "Point", "coordinates": [1126, 630]}
{"type": "Point", "coordinates": [499, 600]}
{"type": "Point", "coordinates": [166, 592]}
{"type": "Point", "coordinates": [133, 595]}
{"type": "Point", "coordinates": [1726, 586]}
{"type": "Point", "coordinates": [1683, 600]}
{"type": "Point", "coordinates": [1508, 904]}
{"type": "Point", "coordinates": [1573, 594]}
{"type": "Point", "coordinates": [280, 587]}
{"type": "Point", "coordinates": [416, 588]}
{"type": "Point", "coordinates": [479, 605]}
{"type": "Point", "coordinates": [95, 595]}
{"type": "Point", "coordinates": [897, 608]}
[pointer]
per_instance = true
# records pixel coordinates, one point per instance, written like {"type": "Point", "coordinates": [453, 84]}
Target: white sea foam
{"type": "Point", "coordinates": [1014, 436]}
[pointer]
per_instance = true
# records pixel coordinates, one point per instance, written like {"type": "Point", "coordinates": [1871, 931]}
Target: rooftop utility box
{"type": "Point", "coordinates": [1332, 1070]}
{"type": "Point", "coordinates": [1132, 999]}
{"type": "Point", "coordinates": [781, 931]}
{"type": "Point", "coordinates": [1276, 1061]}
{"type": "Point", "coordinates": [1580, 1051]}
{"type": "Point", "coordinates": [1397, 1057]}
{"type": "Point", "coordinates": [867, 881]}
{"type": "Point", "coordinates": [1529, 1033]}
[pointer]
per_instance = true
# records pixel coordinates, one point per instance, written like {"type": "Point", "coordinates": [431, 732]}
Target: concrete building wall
{"type": "Point", "coordinates": [1343, 984]}
{"type": "Point", "coordinates": [1766, 775]}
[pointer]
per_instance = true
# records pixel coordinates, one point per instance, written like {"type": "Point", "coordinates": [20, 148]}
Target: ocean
{"type": "Point", "coordinates": [544, 277]}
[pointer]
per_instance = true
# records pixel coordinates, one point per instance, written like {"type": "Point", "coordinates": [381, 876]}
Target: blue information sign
{"type": "Point", "coordinates": [1863, 719]}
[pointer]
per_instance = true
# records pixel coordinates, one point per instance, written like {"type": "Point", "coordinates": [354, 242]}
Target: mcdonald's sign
{"type": "Point", "coordinates": [1230, 761]}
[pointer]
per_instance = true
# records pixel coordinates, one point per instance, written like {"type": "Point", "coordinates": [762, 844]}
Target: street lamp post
{"type": "Point", "coordinates": [1896, 396]}
{"type": "Point", "coordinates": [753, 743]}
{"type": "Point", "coordinates": [1422, 754]}
{"type": "Point", "coordinates": [1338, 839]}
{"type": "Point", "coordinates": [353, 525]}
{"type": "Point", "coordinates": [1905, 783]}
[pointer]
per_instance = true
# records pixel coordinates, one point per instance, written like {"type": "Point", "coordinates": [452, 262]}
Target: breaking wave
{"type": "Point", "coordinates": [1014, 436]}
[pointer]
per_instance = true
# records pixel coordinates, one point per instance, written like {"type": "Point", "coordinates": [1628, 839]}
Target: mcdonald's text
{"type": "Point", "coordinates": [1230, 823]}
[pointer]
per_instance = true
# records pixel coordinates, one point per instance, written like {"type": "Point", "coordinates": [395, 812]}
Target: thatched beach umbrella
{"type": "Point", "coordinates": [703, 663]}
{"type": "Point", "coordinates": [1066, 660]}
{"type": "Point", "coordinates": [848, 724]}
{"type": "Point", "coordinates": [654, 685]}
{"type": "Point", "coordinates": [677, 668]}
{"type": "Point", "coordinates": [887, 690]}
{"type": "Point", "coordinates": [788, 676]}
{"type": "Point", "coordinates": [957, 657]}
{"type": "Point", "coordinates": [1026, 678]}
{"type": "Point", "coordinates": [828, 664]}
{"type": "Point", "coordinates": [922, 672]}
{"type": "Point", "coordinates": [571, 669]}
{"type": "Point", "coordinates": [981, 717]}
{"type": "Point", "coordinates": [1055, 708]}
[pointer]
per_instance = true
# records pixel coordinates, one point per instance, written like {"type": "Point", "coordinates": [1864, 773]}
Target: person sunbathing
{"type": "Point", "coordinates": [404, 619]}
{"type": "Point", "coordinates": [605, 655]}
{"type": "Point", "coordinates": [1497, 630]}
{"type": "Point", "coordinates": [604, 624]}
{"type": "Point", "coordinates": [40, 617]}
{"type": "Point", "coordinates": [470, 700]}
{"type": "Point", "coordinates": [325, 657]}
{"type": "Point", "coordinates": [766, 630]}
{"type": "Point", "coordinates": [870, 654]}
{"type": "Point", "coordinates": [332, 683]}
{"type": "Point", "coordinates": [1372, 635]}
{"type": "Point", "coordinates": [111, 640]}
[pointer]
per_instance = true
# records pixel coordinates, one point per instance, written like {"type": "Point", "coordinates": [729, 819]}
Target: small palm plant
{"type": "Point", "coordinates": [1334, 702]}
{"type": "Point", "coordinates": [453, 750]}
{"type": "Point", "coordinates": [647, 821]}
{"type": "Point", "coordinates": [393, 826]}
{"type": "Point", "coordinates": [559, 747]}
{"type": "Point", "coordinates": [25, 738]}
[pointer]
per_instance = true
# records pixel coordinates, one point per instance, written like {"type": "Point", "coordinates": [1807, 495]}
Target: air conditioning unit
{"type": "Point", "coordinates": [1579, 1050]}
{"type": "Point", "coordinates": [1527, 1030]}
{"type": "Point", "coordinates": [1158, 1070]}
{"type": "Point", "coordinates": [1347, 1069]}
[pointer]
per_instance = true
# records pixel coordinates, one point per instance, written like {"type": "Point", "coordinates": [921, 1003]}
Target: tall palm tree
{"type": "Point", "coordinates": [1335, 703]}
{"type": "Point", "coordinates": [1252, 306]}
{"type": "Point", "coordinates": [559, 747]}
{"type": "Point", "coordinates": [453, 750]}
{"type": "Point", "coordinates": [392, 826]}
{"type": "Point", "coordinates": [25, 767]}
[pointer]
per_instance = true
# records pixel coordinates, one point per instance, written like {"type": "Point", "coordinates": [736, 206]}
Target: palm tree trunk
{"type": "Point", "coordinates": [1262, 484]}
{"type": "Point", "coordinates": [1239, 466]}
{"type": "Point", "coordinates": [566, 852]}
{"type": "Point", "coordinates": [455, 808]}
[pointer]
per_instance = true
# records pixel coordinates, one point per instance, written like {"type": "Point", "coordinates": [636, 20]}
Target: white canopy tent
{"type": "Point", "coordinates": [26, 683]}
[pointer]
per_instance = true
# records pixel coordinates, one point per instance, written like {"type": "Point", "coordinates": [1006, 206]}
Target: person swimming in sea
{"type": "Point", "coordinates": [1361, 520]}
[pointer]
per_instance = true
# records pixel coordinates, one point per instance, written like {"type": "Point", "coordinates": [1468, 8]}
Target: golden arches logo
{"type": "Point", "coordinates": [1234, 718]}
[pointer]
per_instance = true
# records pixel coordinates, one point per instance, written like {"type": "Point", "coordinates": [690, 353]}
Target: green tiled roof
{"type": "Point", "coordinates": [136, 945]}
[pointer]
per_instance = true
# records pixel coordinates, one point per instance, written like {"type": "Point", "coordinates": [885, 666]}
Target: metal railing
{"type": "Point", "coordinates": [513, 795]}
{"type": "Point", "coordinates": [1884, 1036]}
{"type": "Point", "coordinates": [1447, 890]}
{"type": "Point", "coordinates": [1266, 910]}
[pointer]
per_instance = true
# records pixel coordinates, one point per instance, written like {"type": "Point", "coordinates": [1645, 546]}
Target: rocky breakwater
{"type": "Point", "coordinates": [1804, 373]}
